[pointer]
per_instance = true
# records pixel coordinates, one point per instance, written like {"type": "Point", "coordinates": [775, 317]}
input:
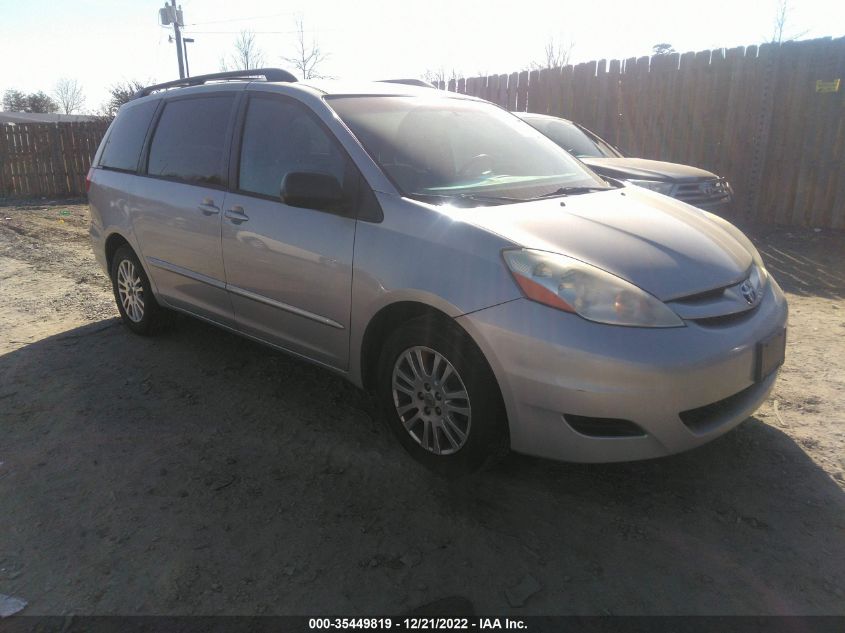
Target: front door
{"type": "Point", "coordinates": [289, 269]}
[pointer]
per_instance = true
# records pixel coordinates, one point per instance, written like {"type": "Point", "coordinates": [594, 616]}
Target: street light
{"type": "Point", "coordinates": [186, 40]}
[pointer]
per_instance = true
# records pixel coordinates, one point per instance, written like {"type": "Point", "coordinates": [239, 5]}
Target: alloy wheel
{"type": "Point", "coordinates": [131, 291]}
{"type": "Point", "coordinates": [431, 400]}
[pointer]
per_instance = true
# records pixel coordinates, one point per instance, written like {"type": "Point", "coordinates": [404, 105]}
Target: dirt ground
{"type": "Point", "coordinates": [198, 473]}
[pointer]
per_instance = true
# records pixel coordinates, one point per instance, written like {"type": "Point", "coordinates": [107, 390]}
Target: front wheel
{"type": "Point", "coordinates": [440, 397]}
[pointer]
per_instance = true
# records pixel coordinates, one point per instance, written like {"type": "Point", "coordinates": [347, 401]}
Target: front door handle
{"type": "Point", "coordinates": [236, 215]}
{"type": "Point", "coordinates": [207, 207]}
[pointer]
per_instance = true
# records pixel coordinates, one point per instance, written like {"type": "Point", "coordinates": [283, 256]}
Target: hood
{"type": "Point", "coordinates": [645, 169]}
{"type": "Point", "coordinates": [663, 246]}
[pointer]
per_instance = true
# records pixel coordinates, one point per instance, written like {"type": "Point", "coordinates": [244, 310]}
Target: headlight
{"type": "Point", "coordinates": [654, 185]}
{"type": "Point", "coordinates": [573, 286]}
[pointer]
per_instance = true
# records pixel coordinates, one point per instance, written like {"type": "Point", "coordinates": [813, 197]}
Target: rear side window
{"type": "Point", "coordinates": [123, 147]}
{"type": "Point", "coordinates": [190, 140]}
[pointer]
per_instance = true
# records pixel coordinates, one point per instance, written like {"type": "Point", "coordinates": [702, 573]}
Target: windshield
{"type": "Point", "coordinates": [572, 138]}
{"type": "Point", "coordinates": [442, 150]}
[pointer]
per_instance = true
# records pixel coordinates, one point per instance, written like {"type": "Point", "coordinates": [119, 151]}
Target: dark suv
{"type": "Point", "coordinates": [692, 185]}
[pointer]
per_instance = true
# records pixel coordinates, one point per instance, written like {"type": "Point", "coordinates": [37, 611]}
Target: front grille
{"type": "Point", "coordinates": [710, 191]}
{"type": "Point", "coordinates": [726, 319]}
{"type": "Point", "coordinates": [701, 298]}
{"type": "Point", "coordinates": [727, 305]}
{"type": "Point", "coordinates": [603, 427]}
{"type": "Point", "coordinates": [711, 416]}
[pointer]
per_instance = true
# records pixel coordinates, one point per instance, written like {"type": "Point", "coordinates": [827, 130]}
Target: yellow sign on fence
{"type": "Point", "coordinates": [827, 86]}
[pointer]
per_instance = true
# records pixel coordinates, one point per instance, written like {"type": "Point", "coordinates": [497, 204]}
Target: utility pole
{"type": "Point", "coordinates": [172, 15]}
{"type": "Point", "coordinates": [178, 39]}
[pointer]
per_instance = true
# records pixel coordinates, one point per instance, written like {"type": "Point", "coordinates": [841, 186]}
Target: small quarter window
{"type": "Point", "coordinates": [123, 146]}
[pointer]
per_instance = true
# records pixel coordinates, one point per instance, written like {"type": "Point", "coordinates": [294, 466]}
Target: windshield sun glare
{"type": "Point", "coordinates": [445, 149]}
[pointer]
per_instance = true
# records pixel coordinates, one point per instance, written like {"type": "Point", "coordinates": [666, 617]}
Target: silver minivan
{"type": "Point", "coordinates": [489, 289]}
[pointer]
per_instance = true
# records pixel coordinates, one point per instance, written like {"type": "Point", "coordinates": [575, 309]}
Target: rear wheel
{"type": "Point", "coordinates": [138, 308]}
{"type": "Point", "coordinates": [439, 396]}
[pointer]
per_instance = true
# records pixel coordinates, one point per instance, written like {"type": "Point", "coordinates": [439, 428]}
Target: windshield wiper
{"type": "Point", "coordinates": [473, 197]}
{"type": "Point", "coordinates": [571, 191]}
{"type": "Point", "coordinates": [482, 197]}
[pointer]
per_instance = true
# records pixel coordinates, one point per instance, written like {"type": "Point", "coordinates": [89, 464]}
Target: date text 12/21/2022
{"type": "Point", "coordinates": [417, 624]}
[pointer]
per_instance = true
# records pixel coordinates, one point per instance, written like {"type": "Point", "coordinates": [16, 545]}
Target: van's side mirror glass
{"type": "Point", "coordinates": [312, 190]}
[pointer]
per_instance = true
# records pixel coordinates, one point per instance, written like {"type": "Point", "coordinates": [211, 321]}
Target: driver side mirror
{"type": "Point", "coordinates": [312, 190]}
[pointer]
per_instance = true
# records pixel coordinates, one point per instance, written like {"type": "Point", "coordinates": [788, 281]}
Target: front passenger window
{"type": "Point", "coordinates": [280, 137]}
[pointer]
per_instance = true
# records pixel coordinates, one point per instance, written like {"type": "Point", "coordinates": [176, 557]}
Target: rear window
{"type": "Point", "coordinates": [190, 139]}
{"type": "Point", "coordinates": [123, 146]}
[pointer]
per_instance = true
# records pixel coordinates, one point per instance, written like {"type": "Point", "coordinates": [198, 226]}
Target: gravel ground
{"type": "Point", "coordinates": [198, 473]}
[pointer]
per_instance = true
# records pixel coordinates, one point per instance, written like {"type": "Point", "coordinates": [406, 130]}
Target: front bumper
{"type": "Point", "coordinates": [714, 195]}
{"type": "Point", "coordinates": [551, 363]}
{"type": "Point", "coordinates": [719, 207]}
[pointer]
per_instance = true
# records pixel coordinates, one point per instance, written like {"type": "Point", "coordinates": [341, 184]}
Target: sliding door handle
{"type": "Point", "coordinates": [236, 215]}
{"type": "Point", "coordinates": [207, 207]}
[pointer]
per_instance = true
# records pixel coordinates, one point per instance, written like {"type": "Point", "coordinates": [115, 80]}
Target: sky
{"type": "Point", "coordinates": [99, 42]}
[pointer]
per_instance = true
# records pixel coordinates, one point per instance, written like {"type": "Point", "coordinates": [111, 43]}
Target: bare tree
{"type": "Point", "coordinates": [308, 57]}
{"type": "Point", "coordinates": [556, 54]}
{"type": "Point", "coordinates": [440, 75]}
{"type": "Point", "coordinates": [68, 93]}
{"type": "Point", "coordinates": [247, 55]}
{"type": "Point", "coordinates": [779, 31]}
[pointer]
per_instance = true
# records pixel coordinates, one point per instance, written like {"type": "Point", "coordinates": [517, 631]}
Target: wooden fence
{"type": "Point", "coordinates": [47, 159]}
{"type": "Point", "coordinates": [770, 118]}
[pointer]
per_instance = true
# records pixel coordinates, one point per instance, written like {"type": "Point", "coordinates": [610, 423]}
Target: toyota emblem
{"type": "Point", "coordinates": [748, 292]}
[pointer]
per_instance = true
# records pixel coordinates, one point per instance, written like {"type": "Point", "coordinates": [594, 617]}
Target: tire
{"type": "Point", "coordinates": [140, 311]}
{"type": "Point", "coordinates": [465, 434]}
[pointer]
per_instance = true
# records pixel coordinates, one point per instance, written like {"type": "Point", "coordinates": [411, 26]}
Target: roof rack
{"type": "Point", "coordinates": [269, 74]}
{"type": "Point", "coordinates": [408, 82]}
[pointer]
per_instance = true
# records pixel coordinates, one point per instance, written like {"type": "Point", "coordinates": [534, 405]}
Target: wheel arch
{"type": "Point", "coordinates": [390, 317]}
{"type": "Point", "coordinates": [113, 242]}
{"type": "Point", "coordinates": [385, 321]}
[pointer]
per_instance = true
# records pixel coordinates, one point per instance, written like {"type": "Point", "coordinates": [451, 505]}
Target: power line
{"type": "Point", "coordinates": [261, 32]}
{"type": "Point", "coordinates": [257, 17]}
